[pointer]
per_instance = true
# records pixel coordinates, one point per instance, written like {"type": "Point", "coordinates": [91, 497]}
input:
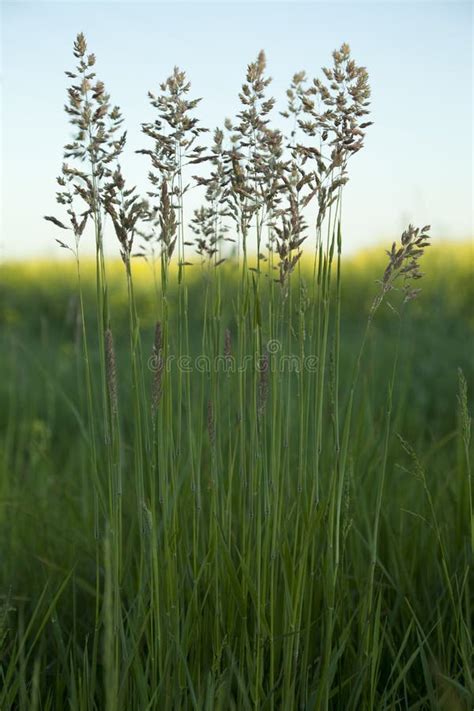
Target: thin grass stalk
{"type": "Point", "coordinates": [372, 621]}
{"type": "Point", "coordinates": [99, 498]}
{"type": "Point", "coordinates": [465, 439]}
{"type": "Point", "coordinates": [110, 642]}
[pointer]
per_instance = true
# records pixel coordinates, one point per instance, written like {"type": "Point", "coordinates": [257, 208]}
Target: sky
{"type": "Point", "coordinates": [416, 165]}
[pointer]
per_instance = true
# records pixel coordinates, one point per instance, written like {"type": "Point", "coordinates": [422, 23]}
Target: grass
{"type": "Point", "coordinates": [183, 532]}
{"type": "Point", "coordinates": [48, 513]}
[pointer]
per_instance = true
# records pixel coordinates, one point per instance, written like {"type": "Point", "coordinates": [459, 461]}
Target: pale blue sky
{"type": "Point", "coordinates": [417, 163]}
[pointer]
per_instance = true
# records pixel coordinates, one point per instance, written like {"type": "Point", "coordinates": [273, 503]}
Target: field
{"type": "Point", "coordinates": [206, 596]}
{"type": "Point", "coordinates": [235, 465]}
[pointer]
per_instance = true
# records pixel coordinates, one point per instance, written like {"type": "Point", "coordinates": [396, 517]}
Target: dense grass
{"type": "Point", "coordinates": [294, 531]}
{"type": "Point", "coordinates": [222, 581]}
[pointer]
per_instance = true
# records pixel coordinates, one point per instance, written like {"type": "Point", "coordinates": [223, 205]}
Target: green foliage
{"type": "Point", "coordinates": [208, 585]}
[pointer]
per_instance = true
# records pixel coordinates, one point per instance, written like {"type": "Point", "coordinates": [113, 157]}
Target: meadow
{"type": "Point", "coordinates": [234, 478]}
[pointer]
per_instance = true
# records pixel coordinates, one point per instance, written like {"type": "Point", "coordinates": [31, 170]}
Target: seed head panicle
{"type": "Point", "coordinates": [125, 208]}
{"type": "Point", "coordinates": [289, 229]}
{"type": "Point", "coordinates": [208, 222]}
{"type": "Point", "coordinates": [254, 162]}
{"type": "Point", "coordinates": [404, 264]}
{"type": "Point", "coordinates": [331, 111]}
{"type": "Point", "coordinates": [111, 370]}
{"type": "Point", "coordinates": [211, 424]}
{"type": "Point", "coordinates": [96, 121]}
{"type": "Point", "coordinates": [463, 410]}
{"type": "Point", "coordinates": [263, 382]}
{"type": "Point", "coordinates": [158, 367]}
{"type": "Point", "coordinates": [207, 237]}
{"type": "Point", "coordinates": [175, 135]}
{"type": "Point", "coordinates": [97, 143]}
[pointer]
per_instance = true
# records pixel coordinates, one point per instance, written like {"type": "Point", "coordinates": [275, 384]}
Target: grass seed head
{"type": "Point", "coordinates": [158, 367]}
{"type": "Point", "coordinates": [211, 425]}
{"type": "Point", "coordinates": [111, 370]}
{"type": "Point", "coordinates": [404, 264]}
{"type": "Point", "coordinates": [263, 382]}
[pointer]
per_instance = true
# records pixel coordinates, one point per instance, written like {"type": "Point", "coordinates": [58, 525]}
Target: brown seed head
{"type": "Point", "coordinates": [111, 371]}
{"type": "Point", "coordinates": [264, 367]}
{"type": "Point", "coordinates": [158, 367]}
{"type": "Point", "coordinates": [211, 425]}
